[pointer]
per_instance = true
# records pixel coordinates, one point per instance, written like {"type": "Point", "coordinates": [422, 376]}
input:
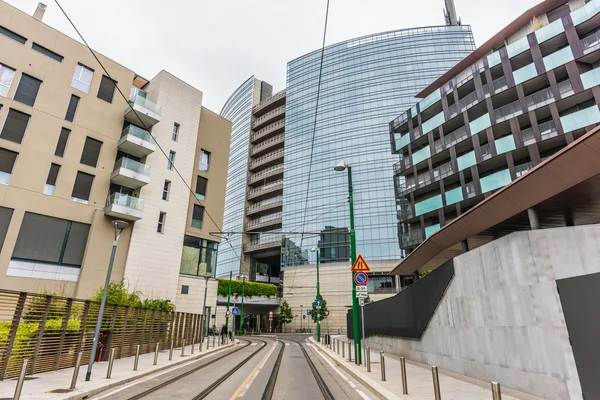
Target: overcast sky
{"type": "Point", "coordinates": [216, 45]}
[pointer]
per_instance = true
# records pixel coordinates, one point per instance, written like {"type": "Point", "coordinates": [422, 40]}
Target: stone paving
{"type": "Point", "coordinates": [419, 377]}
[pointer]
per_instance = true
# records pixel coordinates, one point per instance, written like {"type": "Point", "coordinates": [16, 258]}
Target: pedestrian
{"type": "Point", "coordinates": [223, 334]}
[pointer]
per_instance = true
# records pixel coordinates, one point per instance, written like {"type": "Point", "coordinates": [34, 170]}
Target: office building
{"type": "Point", "coordinates": [75, 156]}
{"type": "Point", "coordinates": [525, 94]}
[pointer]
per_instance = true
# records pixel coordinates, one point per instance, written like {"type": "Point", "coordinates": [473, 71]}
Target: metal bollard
{"type": "Point", "coordinates": [183, 348]}
{"type": "Point", "coordinates": [193, 344]}
{"type": "Point", "coordinates": [214, 340]}
{"type": "Point", "coordinates": [207, 341]}
{"type": "Point", "coordinates": [496, 393]}
{"type": "Point", "coordinates": [156, 354]}
{"type": "Point", "coordinates": [76, 370]}
{"type": "Point", "coordinates": [382, 361]}
{"type": "Point", "coordinates": [368, 359]}
{"type": "Point", "coordinates": [403, 371]}
{"type": "Point", "coordinates": [349, 351]}
{"type": "Point", "coordinates": [343, 351]}
{"type": "Point", "coordinates": [436, 383]}
{"type": "Point", "coordinates": [111, 360]}
{"type": "Point", "coordinates": [19, 387]}
{"type": "Point", "coordinates": [136, 360]}
{"type": "Point", "coordinates": [171, 351]}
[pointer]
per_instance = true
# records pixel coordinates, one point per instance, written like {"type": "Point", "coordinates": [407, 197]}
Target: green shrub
{"type": "Point", "coordinates": [251, 289]}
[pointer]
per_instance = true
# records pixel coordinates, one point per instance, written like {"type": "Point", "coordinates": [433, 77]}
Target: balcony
{"type": "Point", "coordinates": [443, 171]}
{"type": "Point", "coordinates": [591, 42]}
{"type": "Point", "coordinates": [140, 108]}
{"type": "Point", "coordinates": [136, 141]}
{"type": "Point", "coordinates": [547, 130]}
{"type": "Point", "coordinates": [499, 84]}
{"type": "Point", "coordinates": [268, 131]}
{"type": "Point", "coordinates": [265, 174]}
{"type": "Point", "coordinates": [399, 121]}
{"type": "Point", "coordinates": [495, 181]}
{"type": "Point", "coordinates": [405, 213]}
{"type": "Point", "coordinates": [580, 119]}
{"type": "Point", "coordinates": [522, 169]}
{"type": "Point", "coordinates": [255, 246]}
{"type": "Point", "coordinates": [468, 101]}
{"type": "Point", "coordinates": [262, 121]}
{"type": "Point", "coordinates": [431, 204]}
{"type": "Point", "coordinates": [270, 220]}
{"type": "Point", "coordinates": [266, 190]}
{"type": "Point", "coordinates": [456, 136]}
{"type": "Point", "coordinates": [268, 145]}
{"type": "Point", "coordinates": [403, 164]}
{"type": "Point", "coordinates": [470, 189]}
{"type": "Point", "coordinates": [411, 239]}
{"type": "Point", "coordinates": [124, 207]}
{"type": "Point", "coordinates": [130, 173]}
{"type": "Point", "coordinates": [266, 205]}
{"type": "Point", "coordinates": [507, 111]}
{"type": "Point", "coordinates": [267, 160]}
{"type": "Point", "coordinates": [269, 104]}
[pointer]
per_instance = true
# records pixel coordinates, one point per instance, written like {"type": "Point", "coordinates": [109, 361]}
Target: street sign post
{"type": "Point", "coordinates": [318, 304]}
{"type": "Point", "coordinates": [361, 278]}
{"type": "Point", "coordinates": [361, 302]}
{"type": "Point", "coordinates": [360, 265]}
{"type": "Point", "coordinates": [362, 295]}
{"type": "Point", "coordinates": [326, 313]}
{"type": "Point", "coordinates": [307, 312]}
{"type": "Point", "coordinates": [227, 313]}
{"type": "Point", "coordinates": [361, 289]}
{"type": "Point", "coordinates": [270, 320]}
{"type": "Point", "coordinates": [235, 311]}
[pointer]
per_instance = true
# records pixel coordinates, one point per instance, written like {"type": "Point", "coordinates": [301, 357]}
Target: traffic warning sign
{"type": "Point", "coordinates": [360, 265]}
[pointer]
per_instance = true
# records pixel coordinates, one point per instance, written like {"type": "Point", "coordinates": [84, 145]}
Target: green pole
{"type": "Point", "coordinates": [228, 301]}
{"type": "Point", "coordinates": [318, 297]}
{"type": "Point", "coordinates": [242, 313]}
{"type": "Point", "coordinates": [355, 307]}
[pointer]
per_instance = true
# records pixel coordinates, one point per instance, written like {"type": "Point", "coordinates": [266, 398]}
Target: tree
{"type": "Point", "coordinates": [318, 314]}
{"type": "Point", "coordinates": [285, 313]}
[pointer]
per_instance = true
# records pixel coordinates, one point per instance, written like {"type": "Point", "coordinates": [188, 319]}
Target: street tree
{"type": "Point", "coordinates": [318, 315]}
{"type": "Point", "coordinates": [285, 313]}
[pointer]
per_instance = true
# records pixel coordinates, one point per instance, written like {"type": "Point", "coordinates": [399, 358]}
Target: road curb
{"type": "Point", "coordinates": [114, 384]}
{"type": "Point", "coordinates": [373, 387]}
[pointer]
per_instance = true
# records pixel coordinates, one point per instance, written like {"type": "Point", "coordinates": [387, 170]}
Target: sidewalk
{"type": "Point", "coordinates": [419, 378]}
{"type": "Point", "coordinates": [55, 385]}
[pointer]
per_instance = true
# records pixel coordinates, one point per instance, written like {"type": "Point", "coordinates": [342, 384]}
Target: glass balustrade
{"type": "Point", "coordinates": [505, 144]}
{"type": "Point", "coordinates": [421, 155]}
{"type": "Point", "coordinates": [470, 189]}
{"type": "Point", "coordinates": [558, 58]}
{"type": "Point", "coordinates": [486, 151]}
{"type": "Point", "coordinates": [495, 181]}
{"type": "Point", "coordinates": [591, 78]}
{"type": "Point", "coordinates": [402, 141]}
{"type": "Point", "coordinates": [590, 41]}
{"type": "Point", "coordinates": [522, 169]}
{"type": "Point", "coordinates": [433, 122]}
{"type": "Point", "coordinates": [524, 74]}
{"type": "Point", "coordinates": [138, 97]}
{"type": "Point", "coordinates": [528, 136]}
{"type": "Point", "coordinates": [500, 84]}
{"type": "Point", "coordinates": [517, 47]}
{"type": "Point", "coordinates": [430, 100]}
{"type": "Point", "coordinates": [580, 119]}
{"type": "Point", "coordinates": [454, 196]}
{"type": "Point", "coordinates": [586, 12]}
{"type": "Point", "coordinates": [494, 59]}
{"type": "Point", "coordinates": [468, 100]}
{"type": "Point", "coordinates": [547, 130]}
{"type": "Point", "coordinates": [123, 200]}
{"type": "Point", "coordinates": [466, 160]}
{"type": "Point", "coordinates": [539, 98]}
{"type": "Point", "coordinates": [137, 132]}
{"type": "Point", "coordinates": [133, 165]}
{"type": "Point", "coordinates": [428, 205]}
{"type": "Point", "coordinates": [507, 110]}
{"type": "Point", "coordinates": [480, 124]}
{"type": "Point", "coordinates": [430, 230]}
{"type": "Point", "coordinates": [549, 31]}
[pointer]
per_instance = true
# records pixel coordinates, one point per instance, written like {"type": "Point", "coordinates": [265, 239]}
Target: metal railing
{"type": "Point", "coordinates": [271, 114]}
{"type": "Point", "coordinates": [266, 102]}
{"type": "Point", "coordinates": [265, 220]}
{"type": "Point", "coordinates": [548, 130]}
{"type": "Point", "coordinates": [269, 187]}
{"type": "Point", "coordinates": [265, 173]}
{"type": "Point", "coordinates": [50, 331]}
{"type": "Point", "coordinates": [468, 101]}
{"type": "Point", "coordinates": [401, 165]}
{"type": "Point", "coordinates": [499, 84]}
{"type": "Point", "coordinates": [443, 171]}
{"type": "Point", "coordinates": [522, 169]}
{"type": "Point", "coordinates": [486, 151]}
{"type": "Point", "coordinates": [539, 98]}
{"type": "Point", "coordinates": [470, 189]}
{"type": "Point", "coordinates": [254, 246]}
{"type": "Point", "coordinates": [412, 238]}
{"type": "Point", "coordinates": [268, 129]}
{"type": "Point", "coordinates": [455, 136]}
{"type": "Point", "coordinates": [265, 205]}
{"type": "Point", "coordinates": [508, 110]}
{"type": "Point", "coordinates": [590, 41]}
{"type": "Point", "coordinates": [400, 120]}
{"type": "Point", "coordinates": [266, 158]}
{"type": "Point", "coordinates": [268, 143]}
{"type": "Point", "coordinates": [424, 178]}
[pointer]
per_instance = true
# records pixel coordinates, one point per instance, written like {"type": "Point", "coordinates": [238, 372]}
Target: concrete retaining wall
{"type": "Point", "coordinates": [501, 318]}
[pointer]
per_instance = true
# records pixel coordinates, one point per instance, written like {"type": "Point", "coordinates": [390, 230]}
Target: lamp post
{"type": "Point", "coordinates": [341, 166]}
{"type": "Point", "coordinates": [316, 250]}
{"type": "Point", "coordinates": [242, 313]}
{"type": "Point", "coordinates": [301, 318]}
{"type": "Point", "coordinates": [228, 301]}
{"type": "Point", "coordinates": [119, 226]}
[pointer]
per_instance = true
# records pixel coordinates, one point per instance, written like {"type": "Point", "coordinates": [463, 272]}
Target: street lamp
{"type": "Point", "coordinates": [341, 166]}
{"type": "Point", "coordinates": [301, 318]}
{"type": "Point", "coordinates": [243, 277]}
{"type": "Point", "coordinates": [204, 319]}
{"type": "Point", "coordinates": [119, 226]}
{"type": "Point", "coordinates": [316, 250]}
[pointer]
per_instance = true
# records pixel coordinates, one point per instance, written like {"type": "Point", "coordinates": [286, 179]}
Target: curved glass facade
{"type": "Point", "coordinates": [366, 83]}
{"type": "Point", "coordinates": [237, 109]}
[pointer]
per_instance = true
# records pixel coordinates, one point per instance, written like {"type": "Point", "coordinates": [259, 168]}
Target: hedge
{"type": "Point", "coordinates": [251, 289]}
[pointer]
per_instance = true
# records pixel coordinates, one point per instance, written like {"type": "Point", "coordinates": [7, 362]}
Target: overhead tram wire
{"type": "Point", "coordinates": [147, 130]}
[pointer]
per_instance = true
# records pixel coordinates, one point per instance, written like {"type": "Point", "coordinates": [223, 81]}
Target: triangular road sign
{"type": "Point", "coordinates": [360, 265]}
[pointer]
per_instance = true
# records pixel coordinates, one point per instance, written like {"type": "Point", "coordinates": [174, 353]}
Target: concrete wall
{"type": "Point", "coordinates": [501, 318]}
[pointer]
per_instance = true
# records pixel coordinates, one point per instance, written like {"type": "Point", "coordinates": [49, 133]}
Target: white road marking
{"type": "Point", "coordinates": [252, 344]}
{"type": "Point", "coordinates": [348, 381]}
{"type": "Point", "coordinates": [251, 381]}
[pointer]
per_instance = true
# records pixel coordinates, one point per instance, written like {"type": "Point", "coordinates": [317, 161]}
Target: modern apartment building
{"type": "Point", "coordinates": [522, 96]}
{"type": "Point", "coordinates": [75, 156]}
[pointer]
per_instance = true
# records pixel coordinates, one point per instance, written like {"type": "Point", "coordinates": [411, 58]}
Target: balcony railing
{"type": "Point", "coordinates": [270, 115]}
{"type": "Point", "coordinates": [539, 98]}
{"type": "Point", "coordinates": [260, 245]}
{"type": "Point", "coordinates": [548, 130]}
{"type": "Point", "coordinates": [266, 158]}
{"type": "Point", "coordinates": [400, 120]}
{"type": "Point", "coordinates": [269, 187]}
{"type": "Point", "coordinates": [424, 179]}
{"type": "Point", "coordinates": [132, 165]}
{"type": "Point", "coordinates": [508, 110]}
{"type": "Point", "coordinates": [124, 206]}
{"type": "Point", "coordinates": [470, 189]}
{"type": "Point", "coordinates": [522, 169]}
{"type": "Point", "coordinates": [267, 144]}
{"type": "Point", "coordinates": [468, 101]}
{"type": "Point", "coordinates": [403, 164]}
{"type": "Point", "coordinates": [443, 171]}
{"type": "Point", "coordinates": [267, 220]}
{"type": "Point", "coordinates": [138, 97]}
{"type": "Point", "coordinates": [266, 102]}
{"type": "Point", "coordinates": [457, 135]}
{"type": "Point", "coordinates": [453, 109]}
{"type": "Point", "coordinates": [591, 41]}
{"type": "Point", "coordinates": [267, 130]}
{"type": "Point", "coordinates": [486, 151]}
{"type": "Point", "coordinates": [412, 238]}
{"type": "Point", "coordinates": [265, 173]}
{"type": "Point", "coordinates": [499, 84]}
{"type": "Point", "coordinates": [565, 86]}
{"type": "Point", "coordinates": [528, 136]}
{"type": "Point", "coordinates": [265, 205]}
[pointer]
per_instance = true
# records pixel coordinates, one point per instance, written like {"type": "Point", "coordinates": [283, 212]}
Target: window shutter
{"type": "Point", "coordinates": [5, 216]}
{"type": "Point", "coordinates": [53, 174]}
{"type": "Point", "coordinates": [27, 90]}
{"type": "Point", "coordinates": [72, 108]}
{"type": "Point", "coordinates": [201, 185]}
{"type": "Point", "coordinates": [40, 238]}
{"type": "Point", "coordinates": [107, 89]}
{"type": "Point", "coordinates": [198, 213]}
{"type": "Point", "coordinates": [15, 36]}
{"type": "Point", "coordinates": [76, 242]}
{"type": "Point", "coordinates": [62, 142]}
{"type": "Point", "coordinates": [46, 52]}
{"type": "Point", "coordinates": [91, 151]}
{"type": "Point", "coordinates": [7, 160]}
{"type": "Point", "coordinates": [15, 125]}
{"type": "Point", "coordinates": [83, 186]}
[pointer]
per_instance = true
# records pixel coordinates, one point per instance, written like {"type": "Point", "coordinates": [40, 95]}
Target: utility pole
{"type": "Point", "coordinates": [228, 301]}
{"type": "Point", "coordinates": [316, 249]}
{"type": "Point", "coordinates": [242, 313]}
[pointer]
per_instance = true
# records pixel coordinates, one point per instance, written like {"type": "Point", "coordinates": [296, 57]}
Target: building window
{"type": "Point", "coordinates": [7, 162]}
{"type": "Point", "coordinates": [61, 145]}
{"type": "Point", "coordinates": [51, 181]}
{"type": "Point", "coordinates": [82, 187]}
{"type": "Point", "coordinates": [27, 90]}
{"type": "Point", "coordinates": [199, 257]}
{"type": "Point", "coordinates": [107, 89]}
{"type": "Point", "coordinates": [82, 79]}
{"type": "Point", "coordinates": [47, 52]}
{"type": "Point", "coordinates": [51, 240]}
{"type": "Point", "coordinates": [15, 126]}
{"type": "Point", "coordinates": [175, 135]}
{"type": "Point", "coordinates": [5, 217]}
{"type": "Point", "coordinates": [197, 216]}
{"type": "Point", "coordinates": [381, 284]}
{"type": "Point", "coordinates": [72, 108]}
{"type": "Point", "coordinates": [201, 184]}
{"type": "Point", "coordinates": [162, 218]}
{"type": "Point", "coordinates": [204, 161]}
{"type": "Point", "coordinates": [91, 151]}
{"type": "Point", "coordinates": [6, 76]}
{"type": "Point", "coordinates": [14, 36]}
{"type": "Point", "coordinates": [166, 190]}
{"type": "Point", "coordinates": [171, 160]}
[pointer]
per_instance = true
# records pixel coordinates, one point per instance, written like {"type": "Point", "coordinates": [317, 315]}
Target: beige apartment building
{"type": "Point", "coordinates": [74, 156]}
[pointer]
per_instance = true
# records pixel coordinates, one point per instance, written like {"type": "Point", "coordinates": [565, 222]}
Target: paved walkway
{"type": "Point", "coordinates": [420, 383]}
{"type": "Point", "coordinates": [40, 386]}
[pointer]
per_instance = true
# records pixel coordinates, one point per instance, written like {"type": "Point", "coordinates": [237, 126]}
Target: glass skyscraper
{"type": "Point", "coordinates": [366, 82]}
